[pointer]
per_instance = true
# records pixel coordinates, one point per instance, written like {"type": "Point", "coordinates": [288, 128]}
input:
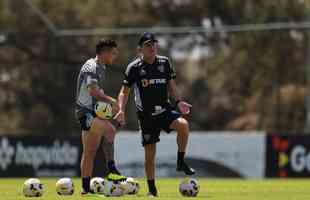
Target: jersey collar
{"type": "Point", "coordinates": [101, 65]}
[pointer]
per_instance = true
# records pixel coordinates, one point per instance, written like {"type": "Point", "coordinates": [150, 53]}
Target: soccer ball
{"type": "Point", "coordinates": [113, 189]}
{"type": "Point", "coordinates": [65, 186]}
{"type": "Point", "coordinates": [33, 188]}
{"type": "Point", "coordinates": [103, 110]}
{"type": "Point", "coordinates": [189, 187]}
{"type": "Point", "coordinates": [130, 186]}
{"type": "Point", "coordinates": [97, 185]}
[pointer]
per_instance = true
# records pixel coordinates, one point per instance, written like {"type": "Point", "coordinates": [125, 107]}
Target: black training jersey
{"type": "Point", "coordinates": [150, 82]}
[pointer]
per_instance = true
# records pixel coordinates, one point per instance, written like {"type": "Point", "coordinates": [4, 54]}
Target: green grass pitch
{"type": "Point", "coordinates": [213, 189]}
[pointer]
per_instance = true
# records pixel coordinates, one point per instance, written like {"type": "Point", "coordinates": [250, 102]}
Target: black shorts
{"type": "Point", "coordinates": [85, 118]}
{"type": "Point", "coordinates": [151, 126]}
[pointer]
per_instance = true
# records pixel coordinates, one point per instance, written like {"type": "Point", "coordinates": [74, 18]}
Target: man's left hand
{"type": "Point", "coordinates": [120, 118]}
{"type": "Point", "coordinates": [184, 107]}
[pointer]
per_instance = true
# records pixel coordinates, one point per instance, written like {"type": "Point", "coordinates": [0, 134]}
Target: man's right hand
{"type": "Point", "coordinates": [120, 117]}
{"type": "Point", "coordinates": [115, 108]}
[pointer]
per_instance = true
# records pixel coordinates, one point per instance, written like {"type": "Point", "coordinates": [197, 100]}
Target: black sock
{"type": "Point", "coordinates": [111, 165]}
{"type": "Point", "coordinates": [181, 156]}
{"type": "Point", "coordinates": [86, 183]}
{"type": "Point", "coordinates": [152, 188]}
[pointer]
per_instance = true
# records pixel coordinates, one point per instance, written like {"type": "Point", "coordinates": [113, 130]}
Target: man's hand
{"type": "Point", "coordinates": [184, 107]}
{"type": "Point", "coordinates": [115, 108]}
{"type": "Point", "coordinates": [120, 117]}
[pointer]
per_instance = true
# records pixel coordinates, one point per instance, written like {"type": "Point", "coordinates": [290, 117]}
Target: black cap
{"type": "Point", "coordinates": [147, 37]}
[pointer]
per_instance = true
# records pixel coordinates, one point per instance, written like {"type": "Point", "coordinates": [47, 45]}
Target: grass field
{"type": "Point", "coordinates": [213, 189]}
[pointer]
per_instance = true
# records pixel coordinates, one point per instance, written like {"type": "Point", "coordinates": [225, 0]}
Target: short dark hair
{"type": "Point", "coordinates": [105, 44]}
{"type": "Point", "coordinates": [146, 37]}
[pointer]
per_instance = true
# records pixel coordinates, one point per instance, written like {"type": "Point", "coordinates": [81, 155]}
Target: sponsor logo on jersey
{"type": "Point", "coordinates": [161, 60]}
{"type": "Point", "coordinates": [147, 82]}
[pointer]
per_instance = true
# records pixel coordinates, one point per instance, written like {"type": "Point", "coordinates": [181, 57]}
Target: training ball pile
{"type": "Point", "coordinates": [189, 187]}
{"type": "Point", "coordinates": [65, 186]}
{"type": "Point", "coordinates": [33, 188]}
{"type": "Point", "coordinates": [103, 110]}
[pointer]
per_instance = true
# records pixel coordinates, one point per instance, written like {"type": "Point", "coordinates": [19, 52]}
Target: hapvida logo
{"type": "Point", "coordinates": [6, 153]}
{"type": "Point", "coordinates": [58, 154]}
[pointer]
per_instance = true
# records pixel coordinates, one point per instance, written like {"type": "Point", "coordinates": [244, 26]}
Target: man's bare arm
{"type": "Point", "coordinates": [123, 97]}
{"type": "Point", "coordinates": [98, 93]}
{"type": "Point", "coordinates": [173, 90]}
{"type": "Point", "coordinates": [182, 105]}
{"type": "Point", "coordinates": [122, 102]}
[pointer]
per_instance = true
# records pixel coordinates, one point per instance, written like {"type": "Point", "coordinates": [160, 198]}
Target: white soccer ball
{"type": "Point", "coordinates": [130, 186]}
{"type": "Point", "coordinates": [189, 187]}
{"type": "Point", "coordinates": [103, 110]}
{"type": "Point", "coordinates": [97, 185]}
{"type": "Point", "coordinates": [33, 188]}
{"type": "Point", "coordinates": [113, 189]}
{"type": "Point", "coordinates": [65, 186]}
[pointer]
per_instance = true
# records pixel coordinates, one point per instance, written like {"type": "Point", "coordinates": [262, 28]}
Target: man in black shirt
{"type": "Point", "coordinates": [152, 76]}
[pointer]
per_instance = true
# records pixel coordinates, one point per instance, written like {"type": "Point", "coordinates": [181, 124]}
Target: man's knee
{"type": "Point", "coordinates": [182, 125]}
